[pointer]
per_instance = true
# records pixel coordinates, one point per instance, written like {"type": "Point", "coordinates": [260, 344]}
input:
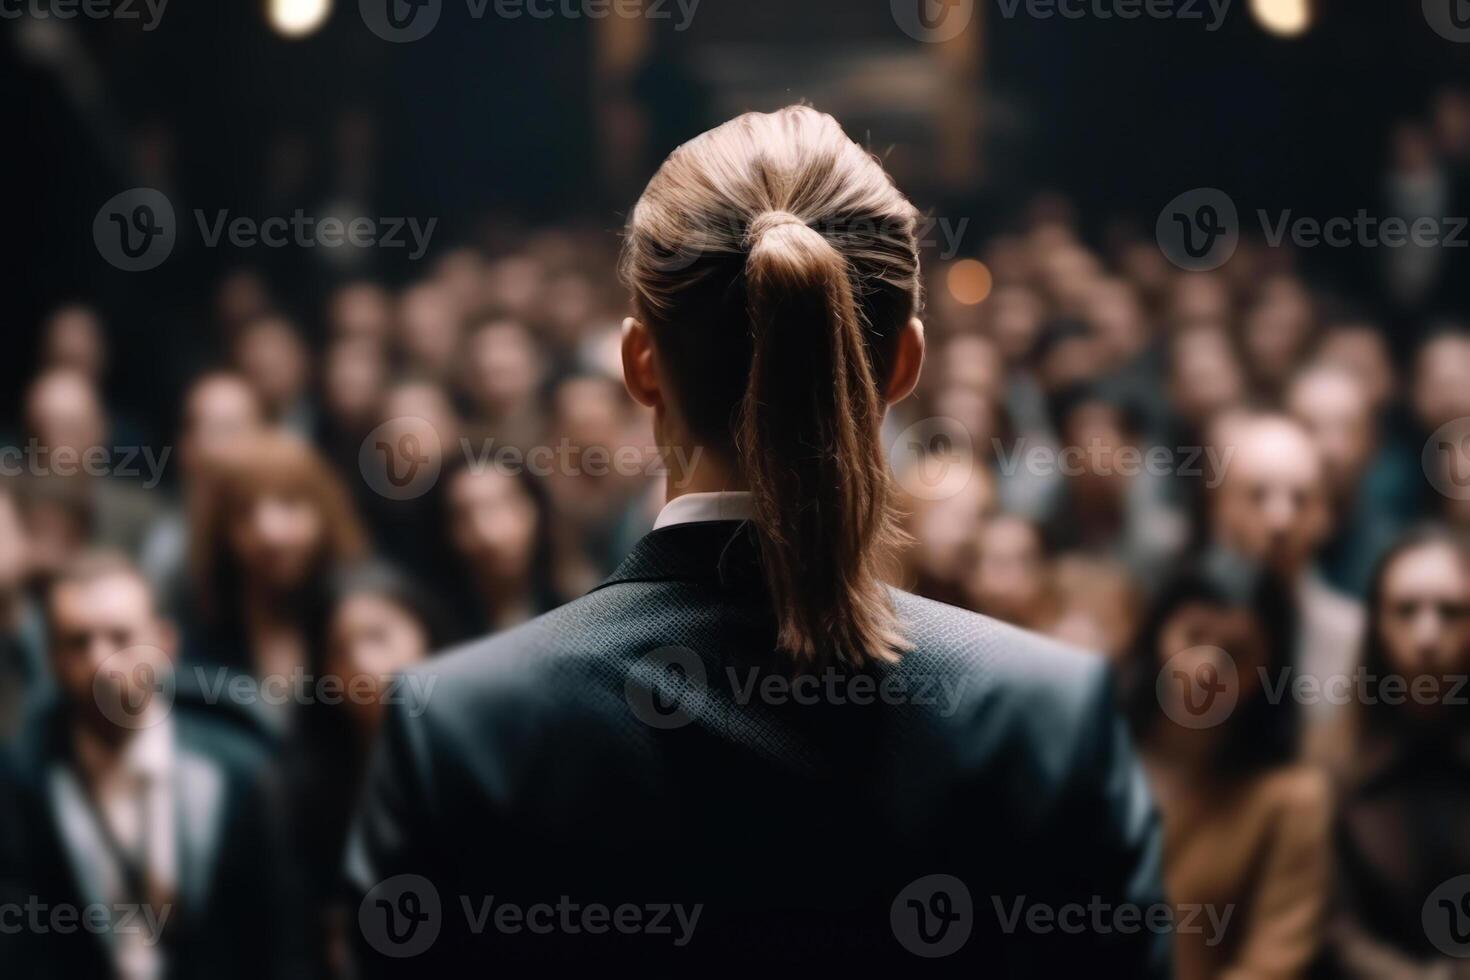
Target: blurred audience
{"type": "Point", "coordinates": [1199, 475]}
{"type": "Point", "coordinates": [1245, 826]}
{"type": "Point", "coordinates": [1401, 761]}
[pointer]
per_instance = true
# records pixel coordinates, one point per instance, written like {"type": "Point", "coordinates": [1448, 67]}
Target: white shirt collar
{"type": "Point", "coordinates": [693, 508]}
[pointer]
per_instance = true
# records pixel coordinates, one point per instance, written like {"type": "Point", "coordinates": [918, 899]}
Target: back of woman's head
{"type": "Point", "coordinates": [776, 266]}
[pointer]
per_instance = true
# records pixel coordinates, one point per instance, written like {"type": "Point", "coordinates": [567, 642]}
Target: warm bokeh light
{"type": "Point", "coordinates": [969, 281]}
{"type": "Point", "coordinates": [297, 18]}
{"type": "Point", "coordinates": [1285, 18]}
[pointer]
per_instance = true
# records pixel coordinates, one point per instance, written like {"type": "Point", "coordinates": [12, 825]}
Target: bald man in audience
{"type": "Point", "coordinates": [1273, 509]}
{"type": "Point", "coordinates": [1332, 404]}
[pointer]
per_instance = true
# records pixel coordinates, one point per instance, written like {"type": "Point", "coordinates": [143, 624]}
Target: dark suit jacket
{"type": "Point", "coordinates": [234, 913]}
{"type": "Point", "coordinates": [640, 750]}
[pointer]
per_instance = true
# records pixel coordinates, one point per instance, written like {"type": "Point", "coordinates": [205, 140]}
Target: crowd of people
{"type": "Point", "coordinates": [1218, 480]}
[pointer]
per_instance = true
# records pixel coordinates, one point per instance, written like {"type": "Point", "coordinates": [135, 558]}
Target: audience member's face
{"type": "Point", "coordinates": [1442, 382]}
{"type": "Point", "coordinates": [361, 311]}
{"type": "Point", "coordinates": [371, 638]}
{"type": "Point", "coordinates": [277, 539]}
{"type": "Point", "coordinates": [946, 531]}
{"type": "Point", "coordinates": [514, 284]}
{"type": "Point", "coordinates": [460, 273]}
{"type": "Point", "coordinates": [972, 361]}
{"type": "Point", "coordinates": [1009, 579]}
{"type": "Point", "coordinates": [1424, 611]}
{"type": "Point", "coordinates": [1200, 297]}
{"type": "Point", "coordinates": [110, 622]}
{"type": "Point", "coordinates": [15, 558]}
{"type": "Point", "coordinates": [1277, 331]}
{"type": "Point", "coordinates": [274, 360]}
{"type": "Point", "coordinates": [242, 297]}
{"type": "Point", "coordinates": [1336, 413]}
{"type": "Point", "coordinates": [1361, 351]}
{"type": "Point", "coordinates": [1118, 320]}
{"type": "Point", "coordinates": [493, 525]}
{"type": "Point", "coordinates": [1205, 375]}
{"type": "Point", "coordinates": [429, 330]}
{"type": "Point", "coordinates": [219, 413]}
{"type": "Point", "coordinates": [409, 406]}
{"type": "Point", "coordinates": [56, 533]}
{"type": "Point", "coordinates": [64, 413]}
{"type": "Point", "coordinates": [1196, 633]}
{"type": "Point", "coordinates": [1098, 429]}
{"type": "Point", "coordinates": [977, 412]}
{"type": "Point", "coordinates": [503, 367]}
{"type": "Point", "coordinates": [1071, 361]}
{"type": "Point", "coordinates": [1015, 320]}
{"type": "Point", "coordinates": [569, 307]}
{"type": "Point", "coordinates": [1272, 506]}
{"type": "Point", "coordinates": [590, 412]}
{"type": "Point", "coordinates": [73, 340]}
{"type": "Point", "coordinates": [353, 374]}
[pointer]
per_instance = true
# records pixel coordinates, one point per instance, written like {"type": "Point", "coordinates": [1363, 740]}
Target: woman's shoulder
{"type": "Point", "coordinates": [1297, 795]}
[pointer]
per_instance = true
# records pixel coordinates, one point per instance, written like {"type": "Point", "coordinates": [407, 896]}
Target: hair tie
{"type": "Point", "coordinates": [769, 221]}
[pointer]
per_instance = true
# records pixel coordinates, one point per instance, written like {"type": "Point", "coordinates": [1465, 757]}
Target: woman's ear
{"type": "Point", "coordinates": [908, 362]}
{"type": "Point", "coordinates": [640, 372]}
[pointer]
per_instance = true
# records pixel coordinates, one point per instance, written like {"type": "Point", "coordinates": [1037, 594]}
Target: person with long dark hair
{"type": "Point", "coordinates": [1245, 826]}
{"type": "Point", "coordinates": [1401, 760]}
{"type": "Point", "coordinates": [744, 747]}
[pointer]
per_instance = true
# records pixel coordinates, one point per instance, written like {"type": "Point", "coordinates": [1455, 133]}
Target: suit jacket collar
{"type": "Point", "coordinates": [723, 553]}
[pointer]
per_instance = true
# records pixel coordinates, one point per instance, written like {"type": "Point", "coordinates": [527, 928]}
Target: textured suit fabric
{"type": "Point", "coordinates": [528, 772]}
